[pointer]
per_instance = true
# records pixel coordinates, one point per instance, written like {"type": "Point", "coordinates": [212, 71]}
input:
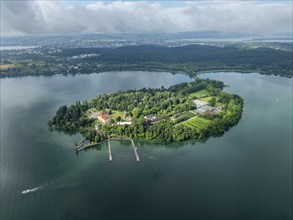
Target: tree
{"type": "Point", "coordinates": [212, 101]}
{"type": "Point", "coordinates": [98, 138]}
{"type": "Point", "coordinates": [136, 112]}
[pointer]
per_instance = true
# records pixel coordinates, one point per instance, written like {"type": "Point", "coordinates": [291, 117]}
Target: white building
{"type": "Point", "coordinates": [124, 123]}
{"type": "Point", "coordinates": [209, 109]}
{"type": "Point", "coordinates": [199, 103]}
{"type": "Point", "coordinates": [94, 115]}
{"type": "Point", "coordinates": [204, 109]}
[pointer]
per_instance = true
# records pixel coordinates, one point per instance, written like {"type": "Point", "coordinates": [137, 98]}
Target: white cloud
{"type": "Point", "coordinates": [55, 17]}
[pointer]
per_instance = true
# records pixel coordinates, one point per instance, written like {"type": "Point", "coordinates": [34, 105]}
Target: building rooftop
{"type": "Point", "coordinates": [124, 123]}
{"type": "Point", "coordinates": [104, 116]}
{"type": "Point", "coordinates": [199, 103]}
{"type": "Point", "coordinates": [152, 118]}
{"type": "Point", "coordinates": [204, 109]}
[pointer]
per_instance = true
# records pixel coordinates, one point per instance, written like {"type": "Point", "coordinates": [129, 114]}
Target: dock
{"type": "Point", "coordinates": [135, 151]}
{"type": "Point", "coordinates": [110, 153]}
{"type": "Point", "coordinates": [81, 146]}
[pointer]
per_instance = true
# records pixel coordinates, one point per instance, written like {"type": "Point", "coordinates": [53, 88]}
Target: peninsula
{"type": "Point", "coordinates": [194, 110]}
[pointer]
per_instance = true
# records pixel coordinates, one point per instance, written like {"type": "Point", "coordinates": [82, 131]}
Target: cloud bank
{"type": "Point", "coordinates": [57, 17]}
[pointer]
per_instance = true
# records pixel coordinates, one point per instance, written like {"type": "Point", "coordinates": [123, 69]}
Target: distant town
{"type": "Point", "coordinates": [189, 53]}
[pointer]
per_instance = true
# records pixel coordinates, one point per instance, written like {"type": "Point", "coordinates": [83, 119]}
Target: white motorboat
{"type": "Point", "coordinates": [29, 190]}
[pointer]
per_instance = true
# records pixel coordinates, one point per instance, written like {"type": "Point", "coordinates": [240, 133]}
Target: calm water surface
{"type": "Point", "coordinates": [246, 173]}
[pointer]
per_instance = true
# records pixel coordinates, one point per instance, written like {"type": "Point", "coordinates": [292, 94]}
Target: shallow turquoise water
{"type": "Point", "coordinates": [246, 173]}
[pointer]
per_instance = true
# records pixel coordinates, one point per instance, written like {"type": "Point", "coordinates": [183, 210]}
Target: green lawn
{"type": "Point", "coordinates": [189, 114]}
{"type": "Point", "coordinates": [196, 123]}
{"type": "Point", "coordinates": [6, 66]}
{"type": "Point", "coordinates": [206, 99]}
{"type": "Point", "coordinates": [200, 94]}
{"type": "Point", "coordinates": [115, 114]}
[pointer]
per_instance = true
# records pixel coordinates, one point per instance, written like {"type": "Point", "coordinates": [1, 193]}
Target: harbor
{"type": "Point", "coordinates": [83, 145]}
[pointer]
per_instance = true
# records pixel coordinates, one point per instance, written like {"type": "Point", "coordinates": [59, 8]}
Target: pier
{"type": "Point", "coordinates": [81, 146]}
{"type": "Point", "coordinates": [110, 153]}
{"type": "Point", "coordinates": [135, 151]}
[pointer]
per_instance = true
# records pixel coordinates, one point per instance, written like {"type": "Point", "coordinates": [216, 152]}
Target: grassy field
{"type": "Point", "coordinates": [115, 114]}
{"type": "Point", "coordinates": [206, 99]}
{"type": "Point", "coordinates": [6, 66]}
{"type": "Point", "coordinates": [189, 114]}
{"type": "Point", "coordinates": [200, 94]}
{"type": "Point", "coordinates": [196, 123]}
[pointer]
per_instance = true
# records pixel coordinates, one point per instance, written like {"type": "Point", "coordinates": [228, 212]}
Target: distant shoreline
{"type": "Point", "coordinates": [190, 60]}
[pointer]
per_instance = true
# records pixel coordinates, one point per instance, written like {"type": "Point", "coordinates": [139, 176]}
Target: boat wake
{"type": "Point", "coordinates": [30, 190]}
{"type": "Point", "coordinates": [73, 180]}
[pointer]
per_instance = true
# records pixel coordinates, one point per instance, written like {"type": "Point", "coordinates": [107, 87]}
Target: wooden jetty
{"type": "Point", "coordinates": [135, 151]}
{"type": "Point", "coordinates": [82, 147]}
{"type": "Point", "coordinates": [110, 153]}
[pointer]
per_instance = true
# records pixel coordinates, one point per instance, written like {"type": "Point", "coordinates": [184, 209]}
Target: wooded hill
{"type": "Point", "coordinates": [190, 59]}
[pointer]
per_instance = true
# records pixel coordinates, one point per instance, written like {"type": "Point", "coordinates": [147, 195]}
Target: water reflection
{"type": "Point", "coordinates": [28, 91]}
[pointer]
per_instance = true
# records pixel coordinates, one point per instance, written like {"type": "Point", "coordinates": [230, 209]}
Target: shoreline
{"type": "Point", "coordinates": [191, 75]}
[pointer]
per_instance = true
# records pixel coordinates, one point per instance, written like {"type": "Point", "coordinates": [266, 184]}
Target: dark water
{"type": "Point", "coordinates": [247, 173]}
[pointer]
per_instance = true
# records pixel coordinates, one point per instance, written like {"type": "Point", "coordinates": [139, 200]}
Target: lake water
{"type": "Point", "coordinates": [244, 174]}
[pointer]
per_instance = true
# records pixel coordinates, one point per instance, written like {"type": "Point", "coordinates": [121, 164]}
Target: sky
{"type": "Point", "coordinates": [112, 17]}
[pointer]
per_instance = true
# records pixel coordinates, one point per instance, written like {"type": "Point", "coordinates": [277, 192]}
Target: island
{"type": "Point", "coordinates": [190, 110]}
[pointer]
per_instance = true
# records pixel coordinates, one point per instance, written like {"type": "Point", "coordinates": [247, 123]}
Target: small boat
{"type": "Point", "coordinates": [29, 190]}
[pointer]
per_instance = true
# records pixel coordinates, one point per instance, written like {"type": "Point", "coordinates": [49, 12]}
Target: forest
{"type": "Point", "coordinates": [162, 114]}
{"type": "Point", "coordinates": [190, 59]}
